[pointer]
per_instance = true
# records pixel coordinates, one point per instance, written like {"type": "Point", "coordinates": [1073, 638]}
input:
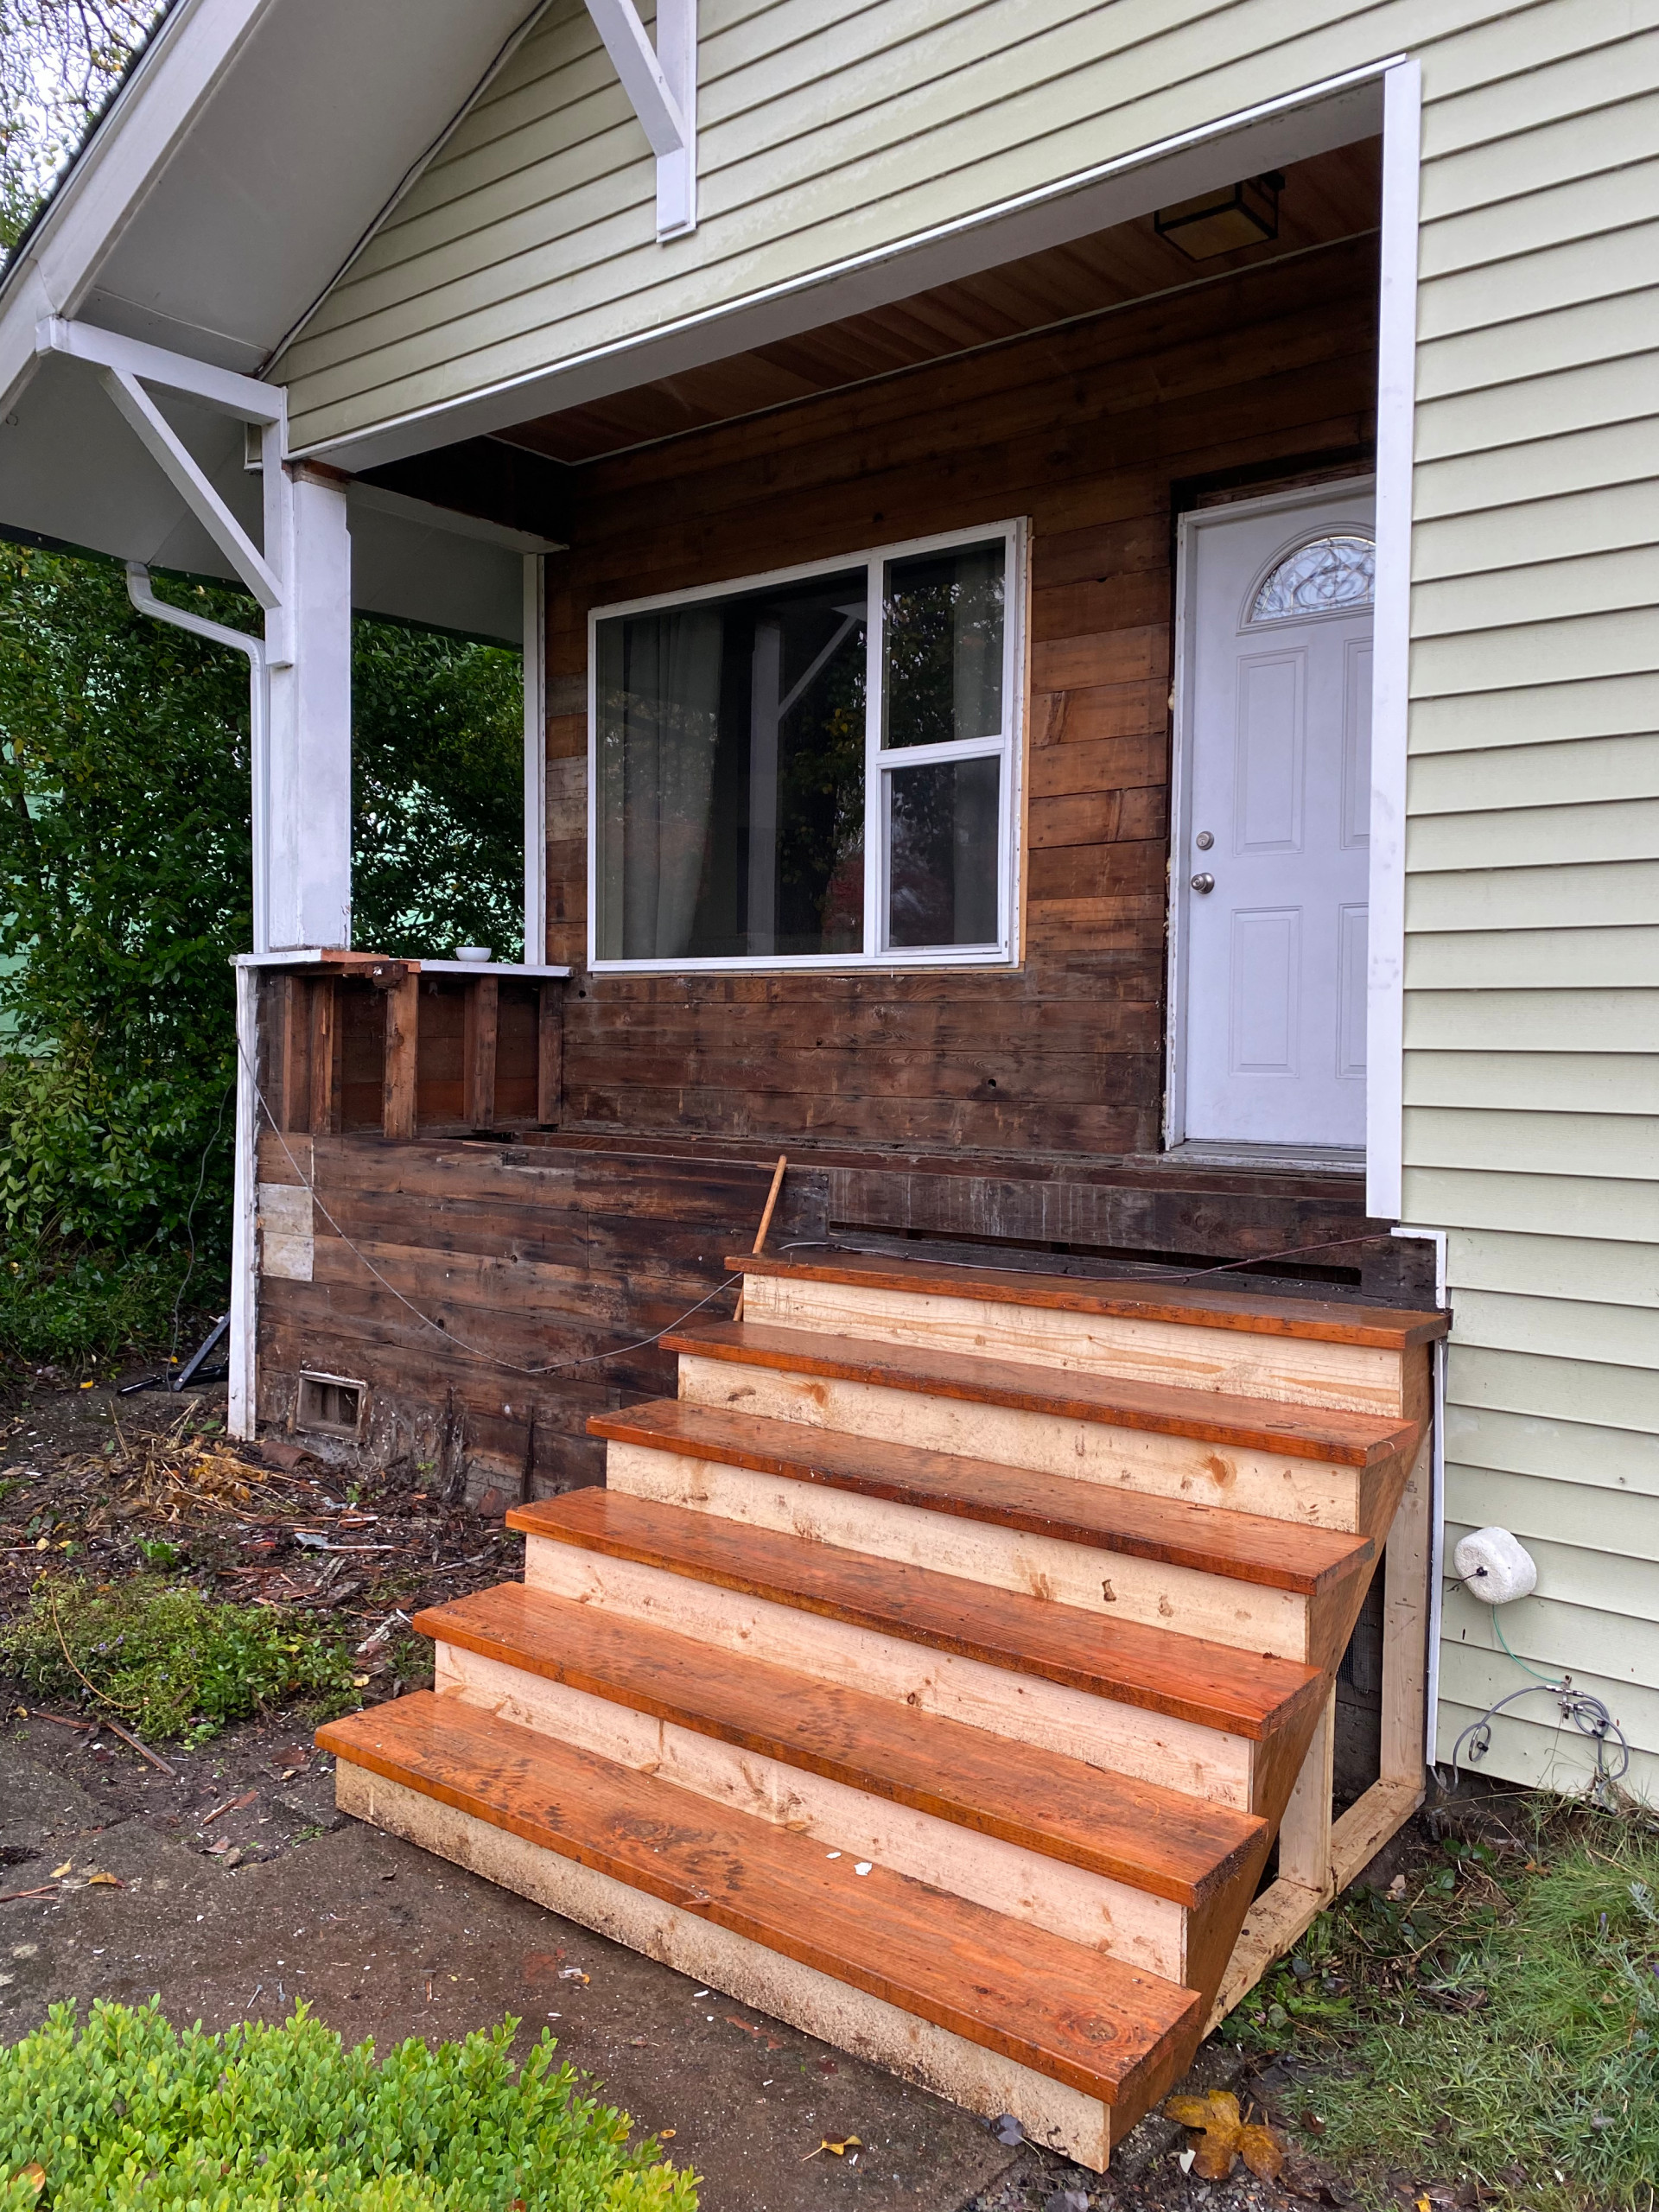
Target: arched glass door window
{"type": "Point", "coordinates": [1332, 575]}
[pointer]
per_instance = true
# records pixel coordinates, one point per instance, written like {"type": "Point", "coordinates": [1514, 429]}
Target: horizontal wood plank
{"type": "Point", "coordinates": [1209, 1684]}
{"type": "Point", "coordinates": [1065, 2011]}
{"type": "Point", "coordinates": [1202, 1305]}
{"type": "Point", "coordinates": [1328, 1435]}
{"type": "Point", "coordinates": [1155, 1840]}
{"type": "Point", "coordinates": [1210, 1539]}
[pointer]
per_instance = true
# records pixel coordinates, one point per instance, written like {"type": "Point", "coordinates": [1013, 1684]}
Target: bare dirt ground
{"type": "Point", "coordinates": [231, 1888]}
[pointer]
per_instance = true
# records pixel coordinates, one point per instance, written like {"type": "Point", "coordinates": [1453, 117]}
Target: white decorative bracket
{"type": "Point", "coordinates": [128, 366]}
{"type": "Point", "coordinates": [662, 83]}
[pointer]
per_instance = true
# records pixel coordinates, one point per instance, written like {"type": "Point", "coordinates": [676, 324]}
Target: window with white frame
{"type": "Point", "coordinates": [815, 765]}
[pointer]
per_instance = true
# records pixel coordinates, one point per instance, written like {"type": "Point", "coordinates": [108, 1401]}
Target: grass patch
{"type": "Point", "coordinates": [168, 1662]}
{"type": "Point", "coordinates": [126, 2115]}
{"type": "Point", "coordinates": [1495, 2022]}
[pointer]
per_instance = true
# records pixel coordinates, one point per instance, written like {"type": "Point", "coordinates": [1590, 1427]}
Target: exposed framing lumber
{"type": "Point", "coordinates": [1320, 1857]}
{"type": "Point", "coordinates": [549, 1056]}
{"type": "Point", "coordinates": [482, 1017]}
{"type": "Point", "coordinates": [402, 1019]}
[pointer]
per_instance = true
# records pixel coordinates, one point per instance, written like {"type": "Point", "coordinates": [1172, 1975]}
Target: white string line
{"type": "Point", "coordinates": [475, 1351]}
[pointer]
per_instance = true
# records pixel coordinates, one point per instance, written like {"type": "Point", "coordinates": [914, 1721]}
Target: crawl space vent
{"type": "Point", "coordinates": [330, 1403]}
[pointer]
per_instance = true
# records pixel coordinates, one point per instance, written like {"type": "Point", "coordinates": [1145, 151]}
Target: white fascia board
{"type": "Point", "coordinates": [172, 78]}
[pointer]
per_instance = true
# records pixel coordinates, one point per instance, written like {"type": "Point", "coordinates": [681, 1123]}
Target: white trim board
{"type": "Point", "coordinates": [535, 680]}
{"type": "Point", "coordinates": [1396, 383]}
{"type": "Point", "coordinates": [1313, 119]}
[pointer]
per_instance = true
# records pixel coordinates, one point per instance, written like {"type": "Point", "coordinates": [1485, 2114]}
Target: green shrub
{"type": "Point", "coordinates": [129, 2115]}
{"type": "Point", "coordinates": [73, 1308]}
{"type": "Point", "coordinates": [168, 1662]}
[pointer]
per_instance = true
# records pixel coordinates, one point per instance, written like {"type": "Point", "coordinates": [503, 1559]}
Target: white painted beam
{"type": "Point", "coordinates": [244, 397]}
{"type": "Point", "coordinates": [311, 771]}
{"type": "Point", "coordinates": [661, 82]}
{"type": "Point", "coordinates": [165, 446]}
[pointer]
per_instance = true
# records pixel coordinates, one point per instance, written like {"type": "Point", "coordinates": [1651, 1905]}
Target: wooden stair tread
{"type": "Point", "coordinates": [1324, 1432]}
{"type": "Point", "coordinates": [1318, 1320]}
{"type": "Point", "coordinates": [1210, 1539]}
{"type": "Point", "coordinates": [1068, 2012]}
{"type": "Point", "coordinates": [1152, 1839]}
{"type": "Point", "coordinates": [1211, 1684]}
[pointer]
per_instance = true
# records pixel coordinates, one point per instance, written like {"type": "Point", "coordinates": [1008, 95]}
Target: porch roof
{"type": "Point", "coordinates": [252, 147]}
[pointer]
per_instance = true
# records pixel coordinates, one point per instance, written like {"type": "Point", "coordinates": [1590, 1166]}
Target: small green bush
{"type": "Point", "coordinates": [168, 1662]}
{"type": "Point", "coordinates": [75, 1307]}
{"type": "Point", "coordinates": [129, 2115]}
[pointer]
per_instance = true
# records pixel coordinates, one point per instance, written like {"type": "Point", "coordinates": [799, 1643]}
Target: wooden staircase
{"type": "Point", "coordinates": [936, 1671]}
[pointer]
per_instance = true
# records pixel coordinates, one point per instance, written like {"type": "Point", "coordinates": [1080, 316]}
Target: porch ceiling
{"type": "Point", "coordinates": [1329, 196]}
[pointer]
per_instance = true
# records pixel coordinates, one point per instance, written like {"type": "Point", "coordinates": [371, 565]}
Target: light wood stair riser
{"type": "Point", "coordinates": [1216, 1607]}
{"type": "Point", "coordinates": [1282, 1486]}
{"type": "Point", "coordinates": [1182, 1355]}
{"type": "Point", "coordinates": [1084, 1907]}
{"type": "Point", "coordinates": [1122, 1739]}
{"type": "Point", "coordinates": [983, 2080]}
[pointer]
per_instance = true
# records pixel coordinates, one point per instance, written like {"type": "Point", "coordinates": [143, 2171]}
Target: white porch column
{"type": "Point", "coordinates": [308, 831]}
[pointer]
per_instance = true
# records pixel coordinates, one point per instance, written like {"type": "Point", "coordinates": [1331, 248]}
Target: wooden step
{"type": "Point", "coordinates": [1328, 1435]}
{"type": "Point", "coordinates": [1106, 2032]}
{"type": "Point", "coordinates": [1208, 1685]}
{"type": "Point", "coordinates": [1210, 1305]}
{"type": "Point", "coordinates": [1153, 1840]}
{"type": "Point", "coordinates": [1220, 1340]}
{"type": "Point", "coordinates": [1241, 1547]}
{"type": "Point", "coordinates": [1322, 1466]}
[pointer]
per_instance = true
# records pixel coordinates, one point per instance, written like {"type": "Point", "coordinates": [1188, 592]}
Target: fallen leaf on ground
{"type": "Point", "coordinates": [105, 1881]}
{"type": "Point", "coordinates": [1226, 2137]}
{"type": "Point", "coordinates": [839, 2150]}
{"type": "Point", "coordinates": [68, 1868]}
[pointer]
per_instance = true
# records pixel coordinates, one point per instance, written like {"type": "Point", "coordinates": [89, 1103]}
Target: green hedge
{"type": "Point", "coordinates": [127, 2114]}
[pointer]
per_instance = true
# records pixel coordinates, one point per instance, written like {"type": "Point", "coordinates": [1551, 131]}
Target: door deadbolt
{"type": "Point", "coordinates": [1204, 883]}
{"type": "Point", "coordinates": [1204, 839]}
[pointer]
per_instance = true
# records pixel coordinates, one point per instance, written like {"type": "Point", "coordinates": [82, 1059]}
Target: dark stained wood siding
{"type": "Point", "coordinates": [1090, 431]}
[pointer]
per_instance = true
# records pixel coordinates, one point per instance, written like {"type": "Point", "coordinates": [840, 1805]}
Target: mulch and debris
{"type": "Point", "coordinates": [156, 1485]}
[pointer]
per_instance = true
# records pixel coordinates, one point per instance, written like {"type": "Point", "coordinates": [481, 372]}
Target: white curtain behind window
{"type": "Point", "coordinates": [659, 722]}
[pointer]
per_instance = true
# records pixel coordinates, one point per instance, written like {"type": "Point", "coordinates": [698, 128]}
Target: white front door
{"type": "Point", "coordinates": [1270, 858]}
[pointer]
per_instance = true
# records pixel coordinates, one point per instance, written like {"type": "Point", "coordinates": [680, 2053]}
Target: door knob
{"type": "Point", "coordinates": [1204, 883]}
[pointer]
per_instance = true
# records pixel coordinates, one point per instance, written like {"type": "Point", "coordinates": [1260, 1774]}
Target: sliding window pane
{"type": "Point", "coordinates": [942, 872]}
{"type": "Point", "coordinates": [731, 776]}
{"type": "Point", "coordinates": [943, 674]}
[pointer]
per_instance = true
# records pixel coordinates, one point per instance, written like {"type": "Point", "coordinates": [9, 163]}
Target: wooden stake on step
{"type": "Point", "coordinates": [765, 1223]}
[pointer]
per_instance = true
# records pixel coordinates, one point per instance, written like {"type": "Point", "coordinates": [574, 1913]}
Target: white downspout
{"type": "Point", "coordinates": [244, 1280]}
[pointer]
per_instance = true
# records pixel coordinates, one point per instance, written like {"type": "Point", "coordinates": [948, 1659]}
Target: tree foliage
{"type": "Point", "coordinates": [125, 894]}
{"type": "Point", "coordinates": [60, 60]}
